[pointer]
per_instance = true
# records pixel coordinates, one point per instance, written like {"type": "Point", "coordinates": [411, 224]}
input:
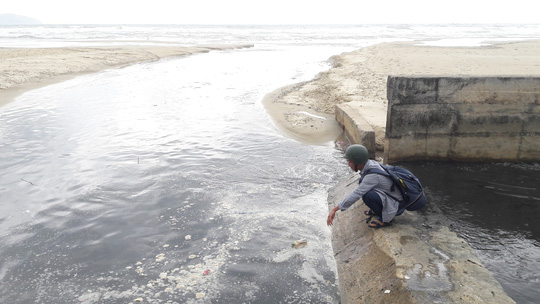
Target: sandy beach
{"type": "Point", "coordinates": [305, 110]}
{"type": "Point", "coordinates": [22, 69]}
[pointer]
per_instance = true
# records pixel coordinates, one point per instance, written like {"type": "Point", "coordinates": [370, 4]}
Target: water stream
{"type": "Point", "coordinates": [163, 182]}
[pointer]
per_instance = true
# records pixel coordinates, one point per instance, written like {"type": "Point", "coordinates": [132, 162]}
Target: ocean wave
{"type": "Point", "coordinates": [348, 36]}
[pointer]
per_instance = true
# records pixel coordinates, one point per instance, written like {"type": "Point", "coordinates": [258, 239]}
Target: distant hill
{"type": "Point", "coordinates": [10, 19]}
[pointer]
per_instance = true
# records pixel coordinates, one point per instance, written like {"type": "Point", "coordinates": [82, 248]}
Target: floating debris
{"type": "Point", "coordinates": [299, 243]}
{"type": "Point", "coordinates": [160, 257]}
{"type": "Point", "coordinates": [200, 295]}
{"type": "Point", "coordinates": [188, 237]}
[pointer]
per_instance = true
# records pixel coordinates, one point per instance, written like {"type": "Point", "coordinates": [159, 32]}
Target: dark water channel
{"type": "Point", "coordinates": [496, 208]}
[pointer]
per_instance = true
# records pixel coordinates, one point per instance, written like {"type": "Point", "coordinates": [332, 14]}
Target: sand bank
{"type": "Point", "coordinates": [359, 78]}
{"type": "Point", "coordinates": [23, 68]}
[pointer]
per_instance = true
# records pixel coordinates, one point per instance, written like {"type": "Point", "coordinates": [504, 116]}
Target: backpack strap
{"type": "Point", "coordinates": [415, 200]}
{"type": "Point", "coordinates": [373, 171]}
{"type": "Point", "coordinates": [384, 173]}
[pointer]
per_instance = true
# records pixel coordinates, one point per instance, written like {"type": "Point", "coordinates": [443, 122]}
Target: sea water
{"type": "Point", "coordinates": [167, 181]}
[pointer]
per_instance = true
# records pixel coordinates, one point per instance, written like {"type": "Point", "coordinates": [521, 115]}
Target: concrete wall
{"type": "Point", "coordinates": [416, 260]}
{"type": "Point", "coordinates": [463, 118]}
{"type": "Point", "coordinates": [357, 129]}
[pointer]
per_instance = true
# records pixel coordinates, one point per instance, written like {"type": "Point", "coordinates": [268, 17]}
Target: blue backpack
{"type": "Point", "coordinates": [408, 185]}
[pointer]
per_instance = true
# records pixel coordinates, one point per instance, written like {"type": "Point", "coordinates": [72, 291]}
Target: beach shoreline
{"type": "Point", "coordinates": [304, 111]}
{"type": "Point", "coordinates": [23, 69]}
{"type": "Point", "coordinates": [359, 79]}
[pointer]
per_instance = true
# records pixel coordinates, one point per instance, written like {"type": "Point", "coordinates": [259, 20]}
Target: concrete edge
{"type": "Point", "coordinates": [416, 260]}
{"type": "Point", "coordinates": [357, 129]}
{"type": "Point", "coordinates": [463, 118]}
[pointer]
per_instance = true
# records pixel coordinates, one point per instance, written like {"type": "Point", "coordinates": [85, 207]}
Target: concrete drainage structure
{"type": "Point", "coordinates": [418, 259]}
{"type": "Point", "coordinates": [463, 119]}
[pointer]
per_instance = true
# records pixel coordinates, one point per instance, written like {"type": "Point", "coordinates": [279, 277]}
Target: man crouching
{"type": "Point", "coordinates": [374, 189]}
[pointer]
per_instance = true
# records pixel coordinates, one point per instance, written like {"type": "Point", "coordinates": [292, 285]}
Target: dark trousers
{"type": "Point", "coordinates": [373, 201]}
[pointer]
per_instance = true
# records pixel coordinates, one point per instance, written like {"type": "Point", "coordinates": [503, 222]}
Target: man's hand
{"type": "Point", "coordinates": [331, 216]}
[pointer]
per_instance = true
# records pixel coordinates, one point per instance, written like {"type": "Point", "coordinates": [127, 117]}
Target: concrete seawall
{"type": "Point", "coordinates": [463, 119]}
{"type": "Point", "coordinates": [356, 128]}
{"type": "Point", "coordinates": [418, 259]}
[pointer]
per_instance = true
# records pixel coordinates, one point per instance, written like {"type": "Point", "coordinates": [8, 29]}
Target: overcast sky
{"type": "Point", "coordinates": [274, 12]}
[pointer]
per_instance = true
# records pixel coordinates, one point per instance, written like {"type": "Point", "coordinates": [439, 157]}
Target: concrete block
{"type": "Point", "coordinates": [408, 90]}
{"type": "Point", "coordinates": [438, 147]}
{"type": "Point", "coordinates": [499, 90]}
{"type": "Point", "coordinates": [496, 147]}
{"type": "Point", "coordinates": [531, 124]}
{"type": "Point", "coordinates": [475, 118]}
{"type": "Point", "coordinates": [390, 265]}
{"type": "Point", "coordinates": [357, 129]}
{"type": "Point", "coordinates": [489, 123]}
{"type": "Point", "coordinates": [530, 148]}
{"type": "Point", "coordinates": [406, 148]}
{"type": "Point", "coordinates": [420, 118]}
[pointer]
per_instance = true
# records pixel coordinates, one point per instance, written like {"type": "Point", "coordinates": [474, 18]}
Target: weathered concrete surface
{"type": "Point", "coordinates": [416, 260]}
{"type": "Point", "coordinates": [357, 129]}
{"type": "Point", "coordinates": [463, 118]}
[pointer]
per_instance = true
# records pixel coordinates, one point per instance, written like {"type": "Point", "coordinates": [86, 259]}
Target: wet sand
{"type": "Point", "coordinates": [23, 69]}
{"type": "Point", "coordinates": [359, 78]}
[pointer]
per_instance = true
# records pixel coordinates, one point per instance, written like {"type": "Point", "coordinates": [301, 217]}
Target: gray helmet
{"type": "Point", "coordinates": [358, 154]}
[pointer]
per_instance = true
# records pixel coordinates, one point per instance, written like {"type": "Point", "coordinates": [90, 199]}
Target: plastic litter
{"type": "Point", "coordinates": [200, 295]}
{"type": "Point", "coordinates": [299, 243]}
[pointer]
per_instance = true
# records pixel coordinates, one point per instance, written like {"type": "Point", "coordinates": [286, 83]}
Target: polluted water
{"type": "Point", "coordinates": [128, 186]}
